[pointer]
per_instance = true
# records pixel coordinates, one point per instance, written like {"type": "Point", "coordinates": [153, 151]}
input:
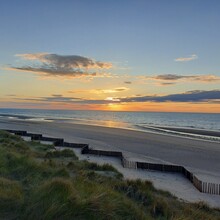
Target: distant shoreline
{"type": "Point", "coordinates": [212, 135]}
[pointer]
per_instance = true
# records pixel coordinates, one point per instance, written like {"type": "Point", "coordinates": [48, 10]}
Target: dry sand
{"type": "Point", "coordinates": [199, 156]}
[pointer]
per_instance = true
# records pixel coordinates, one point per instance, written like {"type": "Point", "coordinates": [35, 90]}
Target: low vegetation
{"type": "Point", "coordinates": [37, 182]}
{"type": "Point", "coordinates": [61, 154]}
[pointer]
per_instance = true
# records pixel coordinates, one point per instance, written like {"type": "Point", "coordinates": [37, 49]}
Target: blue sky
{"type": "Point", "coordinates": [139, 37]}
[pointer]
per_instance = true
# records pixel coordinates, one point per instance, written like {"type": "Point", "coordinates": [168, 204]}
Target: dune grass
{"type": "Point", "coordinates": [37, 182]}
{"type": "Point", "coordinates": [63, 153]}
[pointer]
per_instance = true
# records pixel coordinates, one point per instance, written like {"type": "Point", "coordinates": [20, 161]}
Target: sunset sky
{"type": "Point", "coordinates": [120, 55]}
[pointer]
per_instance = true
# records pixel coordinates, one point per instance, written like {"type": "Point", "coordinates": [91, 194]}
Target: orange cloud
{"type": "Point", "coordinates": [66, 66]}
{"type": "Point", "coordinates": [101, 91]}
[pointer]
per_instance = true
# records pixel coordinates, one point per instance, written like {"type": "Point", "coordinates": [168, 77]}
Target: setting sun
{"type": "Point", "coordinates": [115, 107]}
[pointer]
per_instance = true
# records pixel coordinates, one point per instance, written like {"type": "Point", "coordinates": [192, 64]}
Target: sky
{"type": "Point", "coordinates": [118, 55]}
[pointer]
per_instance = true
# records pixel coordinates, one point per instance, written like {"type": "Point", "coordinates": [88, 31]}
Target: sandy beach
{"type": "Point", "coordinates": [199, 156]}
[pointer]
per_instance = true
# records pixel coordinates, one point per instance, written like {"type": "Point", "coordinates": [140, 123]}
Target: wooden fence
{"type": "Point", "coordinates": [211, 188]}
{"type": "Point", "coordinates": [87, 150]}
{"type": "Point", "coordinates": [129, 164]}
{"type": "Point", "coordinates": [205, 187]}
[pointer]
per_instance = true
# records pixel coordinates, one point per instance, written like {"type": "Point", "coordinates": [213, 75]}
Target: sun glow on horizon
{"type": "Point", "coordinates": [115, 107]}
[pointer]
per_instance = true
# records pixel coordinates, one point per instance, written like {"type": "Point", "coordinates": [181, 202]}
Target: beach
{"type": "Point", "coordinates": [199, 156]}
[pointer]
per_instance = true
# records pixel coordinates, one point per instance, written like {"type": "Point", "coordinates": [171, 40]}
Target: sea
{"type": "Point", "coordinates": [129, 120]}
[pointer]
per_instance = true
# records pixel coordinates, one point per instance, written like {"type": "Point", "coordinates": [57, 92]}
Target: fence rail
{"type": "Point", "coordinates": [205, 187]}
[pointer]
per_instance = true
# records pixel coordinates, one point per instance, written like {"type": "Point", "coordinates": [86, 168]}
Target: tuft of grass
{"type": "Point", "coordinates": [51, 200]}
{"type": "Point", "coordinates": [202, 206]}
{"type": "Point", "coordinates": [11, 197]}
{"type": "Point", "coordinates": [40, 148]}
{"type": "Point", "coordinates": [14, 145]}
{"type": "Point", "coordinates": [61, 153]}
{"type": "Point", "coordinates": [160, 209]}
{"type": "Point", "coordinates": [105, 167]}
{"type": "Point", "coordinates": [140, 191]}
{"type": "Point", "coordinates": [63, 199]}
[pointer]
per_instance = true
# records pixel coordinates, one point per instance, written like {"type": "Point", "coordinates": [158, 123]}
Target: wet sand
{"type": "Point", "coordinates": [192, 131]}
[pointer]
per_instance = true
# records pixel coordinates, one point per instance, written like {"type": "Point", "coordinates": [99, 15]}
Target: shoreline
{"type": "Point", "coordinates": [192, 131]}
{"type": "Point", "coordinates": [142, 146]}
{"type": "Point", "coordinates": [212, 135]}
{"type": "Point", "coordinates": [189, 133]}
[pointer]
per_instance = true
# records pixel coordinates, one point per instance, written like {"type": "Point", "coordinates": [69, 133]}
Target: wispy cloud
{"type": "Point", "coordinates": [166, 83]}
{"type": "Point", "coordinates": [191, 96]}
{"type": "Point", "coordinates": [171, 79]}
{"type": "Point", "coordinates": [55, 65]}
{"type": "Point", "coordinates": [186, 59]}
{"type": "Point", "coordinates": [66, 99]}
{"type": "Point", "coordinates": [197, 96]}
{"type": "Point", "coordinates": [207, 78]}
{"type": "Point", "coordinates": [101, 91]}
{"type": "Point", "coordinates": [201, 78]}
{"type": "Point", "coordinates": [11, 95]}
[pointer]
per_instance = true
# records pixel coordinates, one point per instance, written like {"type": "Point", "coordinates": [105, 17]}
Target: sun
{"type": "Point", "coordinates": [114, 107]}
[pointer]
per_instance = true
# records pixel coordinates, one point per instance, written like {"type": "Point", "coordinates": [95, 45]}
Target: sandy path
{"type": "Point", "coordinates": [176, 184]}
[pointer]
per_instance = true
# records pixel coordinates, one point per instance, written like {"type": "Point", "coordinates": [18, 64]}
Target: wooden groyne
{"type": "Point", "coordinates": [205, 187]}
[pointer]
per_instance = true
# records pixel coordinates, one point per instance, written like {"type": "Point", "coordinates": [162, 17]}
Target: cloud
{"type": "Point", "coordinates": [53, 71]}
{"type": "Point", "coordinates": [170, 79]}
{"type": "Point", "coordinates": [197, 96]}
{"type": "Point", "coordinates": [191, 96]}
{"type": "Point", "coordinates": [33, 56]}
{"type": "Point", "coordinates": [207, 78]}
{"type": "Point", "coordinates": [217, 101]}
{"type": "Point", "coordinates": [127, 82]}
{"type": "Point", "coordinates": [101, 91]}
{"type": "Point", "coordinates": [62, 65]}
{"type": "Point", "coordinates": [56, 98]}
{"type": "Point", "coordinates": [166, 83]}
{"type": "Point", "coordinates": [186, 59]}
{"type": "Point", "coordinates": [115, 90]}
{"type": "Point", "coordinates": [11, 95]}
{"type": "Point", "coordinates": [66, 61]}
